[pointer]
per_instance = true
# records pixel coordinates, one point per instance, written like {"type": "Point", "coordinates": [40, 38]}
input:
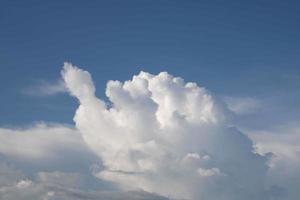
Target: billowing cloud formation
{"type": "Point", "coordinates": [163, 135]}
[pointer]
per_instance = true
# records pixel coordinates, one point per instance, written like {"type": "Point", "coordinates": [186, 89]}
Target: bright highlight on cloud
{"type": "Point", "coordinates": [161, 134]}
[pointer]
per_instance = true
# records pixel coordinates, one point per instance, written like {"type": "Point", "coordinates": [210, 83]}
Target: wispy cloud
{"type": "Point", "coordinates": [44, 88]}
{"type": "Point", "coordinates": [243, 105]}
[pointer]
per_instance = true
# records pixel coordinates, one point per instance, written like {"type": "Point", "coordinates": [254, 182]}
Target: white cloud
{"type": "Point", "coordinates": [243, 105]}
{"type": "Point", "coordinates": [158, 134]}
{"type": "Point", "coordinates": [14, 185]}
{"type": "Point", "coordinates": [40, 141]}
{"type": "Point", "coordinates": [47, 147]}
{"type": "Point", "coordinates": [209, 172]}
{"type": "Point", "coordinates": [44, 88]}
{"type": "Point", "coordinates": [163, 135]}
{"type": "Point", "coordinates": [284, 144]}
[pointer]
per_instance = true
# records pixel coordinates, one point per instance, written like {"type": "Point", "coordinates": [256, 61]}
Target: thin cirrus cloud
{"type": "Point", "coordinates": [243, 105]}
{"type": "Point", "coordinates": [44, 88]}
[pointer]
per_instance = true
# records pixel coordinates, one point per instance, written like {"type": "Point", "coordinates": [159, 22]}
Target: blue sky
{"type": "Point", "coordinates": [233, 48]}
{"type": "Point", "coordinates": [54, 53]}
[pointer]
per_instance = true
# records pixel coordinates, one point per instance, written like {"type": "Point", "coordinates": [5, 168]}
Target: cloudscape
{"type": "Point", "coordinates": [156, 137]}
{"type": "Point", "coordinates": [149, 100]}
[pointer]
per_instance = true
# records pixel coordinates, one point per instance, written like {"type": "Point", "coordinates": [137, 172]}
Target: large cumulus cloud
{"type": "Point", "coordinates": [47, 161]}
{"type": "Point", "coordinates": [161, 134]}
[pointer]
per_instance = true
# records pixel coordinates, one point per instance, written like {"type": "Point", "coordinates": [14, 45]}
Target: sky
{"type": "Point", "coordinates": [68, 132]}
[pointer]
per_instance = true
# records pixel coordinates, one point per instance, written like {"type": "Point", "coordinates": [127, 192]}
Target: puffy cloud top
{"type": "Point", "coordinates": [163, 135]}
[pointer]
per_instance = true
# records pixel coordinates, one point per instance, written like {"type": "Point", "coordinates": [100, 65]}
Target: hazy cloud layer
{"type": "Point", "coordinates": [14, 185]}
{"type": "Point", "coordinates": [284, 143]}
{"type": "Point", "coordinates": [41, 141]}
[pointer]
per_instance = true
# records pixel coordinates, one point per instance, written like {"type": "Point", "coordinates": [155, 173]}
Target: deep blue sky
{"type": "Point", "coordinates": [233, 48]}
